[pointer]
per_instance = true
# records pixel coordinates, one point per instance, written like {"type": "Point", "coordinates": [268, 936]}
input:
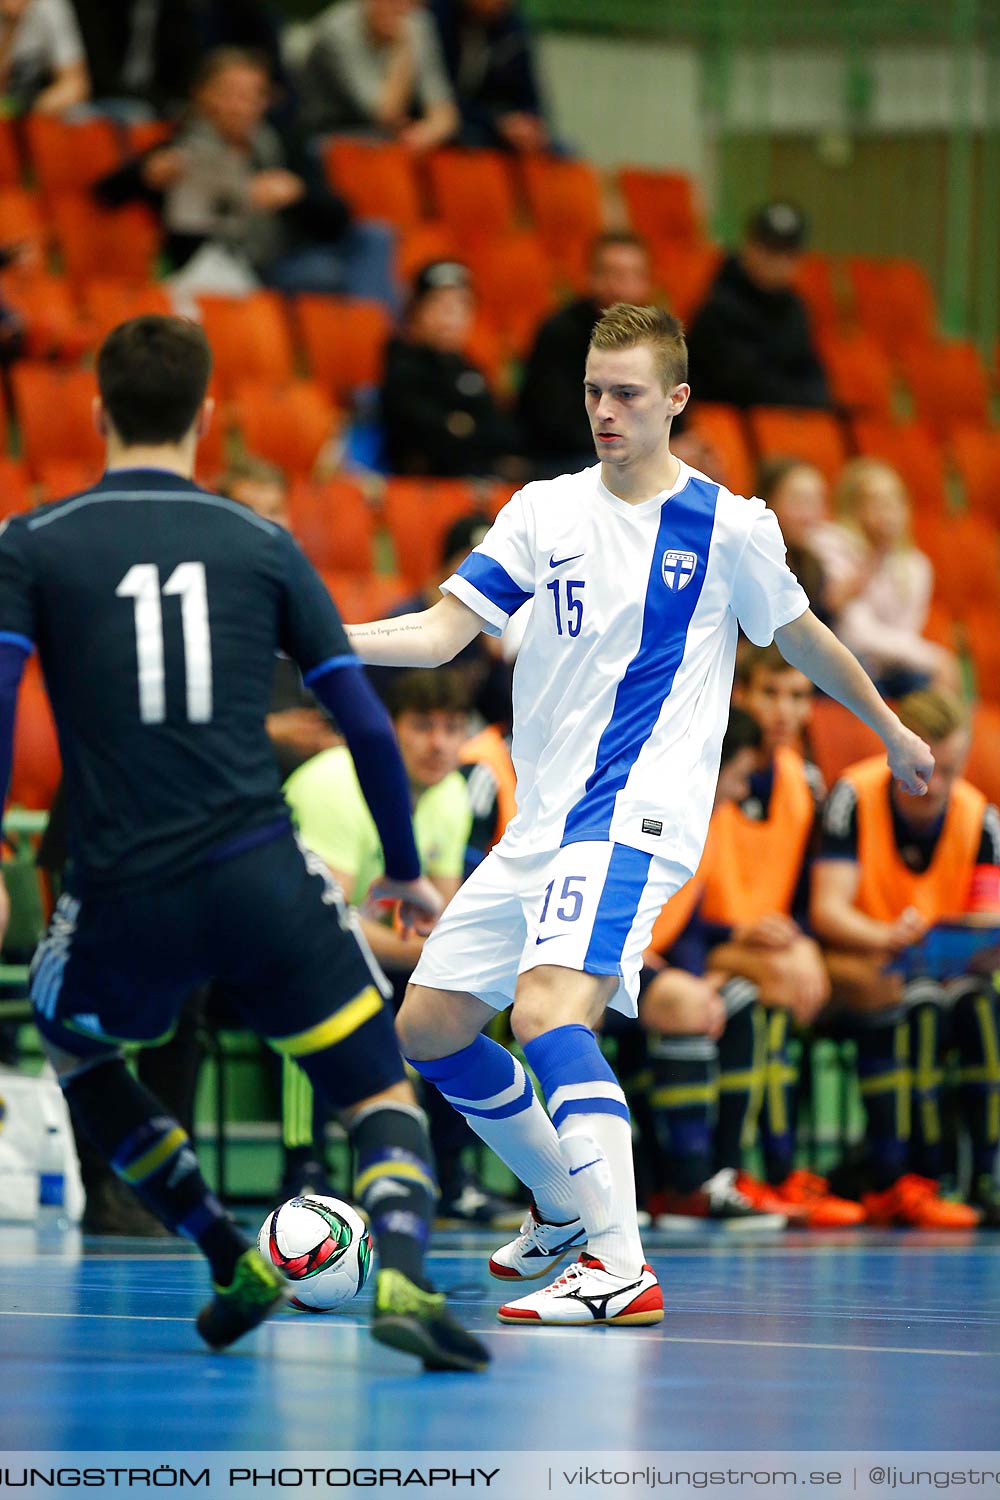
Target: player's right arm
{"type": "Point", "coordinates": [427, 639]}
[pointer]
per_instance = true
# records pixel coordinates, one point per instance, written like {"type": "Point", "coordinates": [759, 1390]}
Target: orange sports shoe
{"type": "Point", "coordinates": [916, 1202]}
{"type": "Point", "coordinates": [767, 1200]}
{"type": "Point", "coordinates": [823, 1209]}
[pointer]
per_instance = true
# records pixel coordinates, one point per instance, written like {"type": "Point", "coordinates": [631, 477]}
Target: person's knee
{"type": "Point", "coordinates": [434, 1023]}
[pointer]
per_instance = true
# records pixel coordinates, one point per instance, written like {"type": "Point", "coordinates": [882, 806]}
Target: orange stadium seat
{"type": "Point", "coordinates": [662, 206]}
{"type": "Point", "coordinates": [724, 429]}
{"type": "Point", "coordinates": [145, 134]}
{"type": "Point", "coordinates": [983, 769]}
{"type": "Point", "coordinates": [976, 455]}
{"type": "Point", "coordinates": [54, 326]}
{"type": "Point", "coordinates": [892, 300]}
{"type": "Point", "coordinates": [344, 340]}
{"type": "Point", "coordinates": [816, 436]}
{"type": "Point", "coordinates": [15, 486]}
{"type": "Point", "coordinates": [288, 425]}
{"type": "Point", "coordinates": [54, 409]}
{"type": "Point", "coordinates": [940, 625]}
{"type": "Point", "coordinates": [10, 161]}
{"type": "Point", "coordinates": [911, 450]}
{"type": "Point", "coordinates": [485, 349]}
{"type": "Point", "coordinates": [110, 302]}
{"type": "Point", "coordinates": [21, 216]}
{"type": "Point", "coordinates": [37, 769]}
{"type": "Point", "coordinates": [431, 240]}
{"type": "Point", "coordinates": [815, 285]}
{"type": "Point", "coordinates": [360, 596]}
{"type": "Point", "coordinates": [965, 551]}
{"type": "Point", "coordinates": [67, 158]}
{"type": "Point", "coordinates": [685, 273]}
{"type": "Point", "coordinates": [376, 177]}
{"type": "Point", "coordinates": [418, 513]}
{"type": "Point", "coordinates": [473, 192]}
{"type": "Point", "coordinates": [250, 339]}
{"type": "Point", "coordinates": [121, 242]}
{"type": "Point", "coordinates": [983, 640]}
{"type": "Point", "coordinates": [513, 280]}
{"type": "Point", "coordinates": [564, 198]}
{"type": "Point", "coordinates": [332, 523]}
{"type": "Point", "coordinates": [948, 383]}
{"type": "Point", "coordinates": [837, 738]}
{"type": "Point", "coordinates": [58, 477]}
{"type": "Point", "coordinates": [859, 373]}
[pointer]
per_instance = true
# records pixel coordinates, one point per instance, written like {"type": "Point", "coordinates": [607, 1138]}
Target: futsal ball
{"type": "Point", "coordinates": [320, 1244]}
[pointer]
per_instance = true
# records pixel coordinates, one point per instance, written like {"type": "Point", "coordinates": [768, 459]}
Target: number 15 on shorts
{"type": "Point", "coordinates": [562, 903]}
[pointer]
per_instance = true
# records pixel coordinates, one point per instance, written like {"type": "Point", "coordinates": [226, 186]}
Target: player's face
{"type": "Point", "coordinates": [781, 703]}
{"type": "Point", "coordinates": [799, 503]}
{"type": "Point", "coordinates": [235, 101]}
{"type": "Point", "coordinates": [442, 319]}
{"type": "Point", "coordinates": [620, 273]}
{"type": "Point", "coordinates": [734, 777]}
{"type": "Point", "coordinates": [430, 743]}
{"type": "Point", "coordinates": [772, 270]}
{"type": "Point", "coordinates": [950, 756]}
{"type": "Point", "coordinates": [628, 408]}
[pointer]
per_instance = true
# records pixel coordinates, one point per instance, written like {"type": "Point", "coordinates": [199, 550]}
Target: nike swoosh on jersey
{"type": "Point", "coordinates": [550, 939]}
{"type": "Point", "coordinates": [573, 1170]}
{"type": "Point", "coordinates": [555, 562]}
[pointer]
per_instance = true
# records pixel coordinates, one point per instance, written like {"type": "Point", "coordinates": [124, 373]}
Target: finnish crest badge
{"type": "Point", "coordinates": [679, 569]}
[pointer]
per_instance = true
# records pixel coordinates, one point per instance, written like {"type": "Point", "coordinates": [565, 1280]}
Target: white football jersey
{"type": "Point", "coordinates": [623, 679]}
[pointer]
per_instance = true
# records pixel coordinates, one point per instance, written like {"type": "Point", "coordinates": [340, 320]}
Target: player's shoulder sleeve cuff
{"type": "Point", "coordinates": [493, 617]}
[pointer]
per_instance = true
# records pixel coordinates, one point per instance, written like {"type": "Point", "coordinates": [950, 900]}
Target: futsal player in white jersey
{"type": "Point", "coordinates": [639, 571]}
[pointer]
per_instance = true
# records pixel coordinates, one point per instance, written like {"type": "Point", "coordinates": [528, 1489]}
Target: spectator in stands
{"type": "Point", "coordinates": [42, 62]}
{"type": "Point", "coordinates": [376, 65]}
{"type": "Point", "coordinates": [750, 343]}
{"type": "Point", "coordinates": [485, 673]}
{"type": "Point", "coordinates": [439, 415]}
{"type": "Point", "coordinates": [797, 493]}
{"type": "Point", "coordinates": [230, 181]}
{"type": "Point", "coordinates": [551, 407]}
{"type": "Point", "coordinates": [891, 868]}
{"type": "Point", "coordinates": [430, 714]}
{"type": "Point", "coordinates": [488, 54]}
{"type": "Point", "coordinates": [885, 581]}
{"type": "Point", "coordinates": [141, 54]}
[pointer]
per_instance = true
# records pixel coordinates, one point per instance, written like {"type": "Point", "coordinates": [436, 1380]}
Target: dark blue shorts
{"type": "Point", "coordinates": [268, 927]}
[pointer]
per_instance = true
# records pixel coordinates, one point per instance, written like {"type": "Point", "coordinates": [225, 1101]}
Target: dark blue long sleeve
{"type": "Point", "coordinates": [12, 659]}
{"type": "Point", "coordinates": [349, 697]}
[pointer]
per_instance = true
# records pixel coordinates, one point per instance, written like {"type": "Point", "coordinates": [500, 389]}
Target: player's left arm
{"type": "Point", "coordinates": [812, 648]}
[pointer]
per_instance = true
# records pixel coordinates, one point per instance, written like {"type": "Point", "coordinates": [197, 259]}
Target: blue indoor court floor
{"type": "Point", "coordinates": [819, 1343]}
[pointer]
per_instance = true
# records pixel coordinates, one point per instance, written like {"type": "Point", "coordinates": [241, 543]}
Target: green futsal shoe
{"type": "Point", "coordinates": [418, 1322]}
{"type": "Point", "coordinates": [257, 1290]}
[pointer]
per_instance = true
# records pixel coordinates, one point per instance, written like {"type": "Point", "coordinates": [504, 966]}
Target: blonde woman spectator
{"type": "Point", "coordinates": [42, 61]}
{"type": "Point", "coordinates": [886, 582]}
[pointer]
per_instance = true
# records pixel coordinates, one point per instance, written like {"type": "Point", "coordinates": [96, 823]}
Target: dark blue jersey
{"type": "Point", "coordinates": [157, 609]}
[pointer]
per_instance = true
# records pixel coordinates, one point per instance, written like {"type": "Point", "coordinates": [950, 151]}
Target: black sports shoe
{"type": "Point", "coordinates": [305, 1178]}
{"type": "Point", "coordinates": [467, 1205]}
{"type": "Point", "coordinates": [256, 1291]}
{"type": "Point", "coordinates": [418, 1322]}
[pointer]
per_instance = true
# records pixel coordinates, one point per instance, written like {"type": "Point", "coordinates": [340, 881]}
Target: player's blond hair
{"type": "Point", "coordinates": [625, 326]}
{"type": "Point", "coordinates": [933, 713]}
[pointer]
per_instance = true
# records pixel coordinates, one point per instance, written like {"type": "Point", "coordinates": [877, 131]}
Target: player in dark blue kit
{"type": "Point", "coordinates": [157, 609]}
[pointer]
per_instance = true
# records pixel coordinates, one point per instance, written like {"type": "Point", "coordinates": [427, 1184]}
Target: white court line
{"type": "Point", "coordinates": [664, 1338]}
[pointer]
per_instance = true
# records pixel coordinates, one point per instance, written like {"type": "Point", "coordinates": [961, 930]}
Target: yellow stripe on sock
{"type": "Point", "coordinates": [161, 1152]}
{"type": "Point", "coordinates": [691, 1093]}
{"type": "Point", "coordinates": [926, 1078]}
{"type": "Point", "coordinates": [405, 1169]}
{"type": "Point", "coordinates": [991, 1054]}
{"type": "Point", "coordinates": [886, 1082]}
{"type": "Point", "coordinates": [334, 1029]}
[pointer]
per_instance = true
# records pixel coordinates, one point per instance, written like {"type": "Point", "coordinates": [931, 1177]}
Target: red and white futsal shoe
{"type": "Point", "coordinates": [587, 1294]}
{"type": "Point", "coordinates": [538, 1248]}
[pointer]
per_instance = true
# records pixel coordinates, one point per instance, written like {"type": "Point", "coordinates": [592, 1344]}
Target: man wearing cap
{"type": "Point", "coordinates": [750, 343]}
{"type": "Point", "coordinates": [439, 414]}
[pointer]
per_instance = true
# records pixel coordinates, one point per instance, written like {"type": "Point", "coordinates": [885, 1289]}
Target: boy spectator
{"type": "Point", "coordinates": [430, 715]}
{"type": "Point", "coordinates": [376, 65]}
{"type": "Point", "coordinates": [750, 343]}
{"type": "Point", "coordinates": [230, 179]}
{"type": "Point", "coordinates": [438, 412]}
{"type": "Point", "coordinates": [487, 51]}
{"type": "Point", "coordinates": [42, 62]}
{"type": "Point", "coordinates": [891, 868]}
{"type": "Point", "coordinates": [552, 415]}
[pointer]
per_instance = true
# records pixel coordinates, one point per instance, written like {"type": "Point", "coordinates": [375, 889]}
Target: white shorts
{"type": "Point", "coordinates": [589, 907]}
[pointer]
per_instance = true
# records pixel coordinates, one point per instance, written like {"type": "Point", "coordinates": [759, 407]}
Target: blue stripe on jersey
{"type": "Point", "coordinates": [11, 638]}
{"type": "Point", "coordinates": [493, 582]}
{"type": "Point", "coordinates": [628, 871]}
{"type": "Point", "coordinates": [329, 665]}
{"type": "Point", "coordinates": [686, 524]}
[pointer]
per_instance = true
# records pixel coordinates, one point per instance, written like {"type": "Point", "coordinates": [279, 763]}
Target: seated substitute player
{"type": "Point", "coordinates": [157, 609]}
{"type": "Point", "coordinates": [639, 571]}
{"type": "Point", "coordinates": [890, 868]}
